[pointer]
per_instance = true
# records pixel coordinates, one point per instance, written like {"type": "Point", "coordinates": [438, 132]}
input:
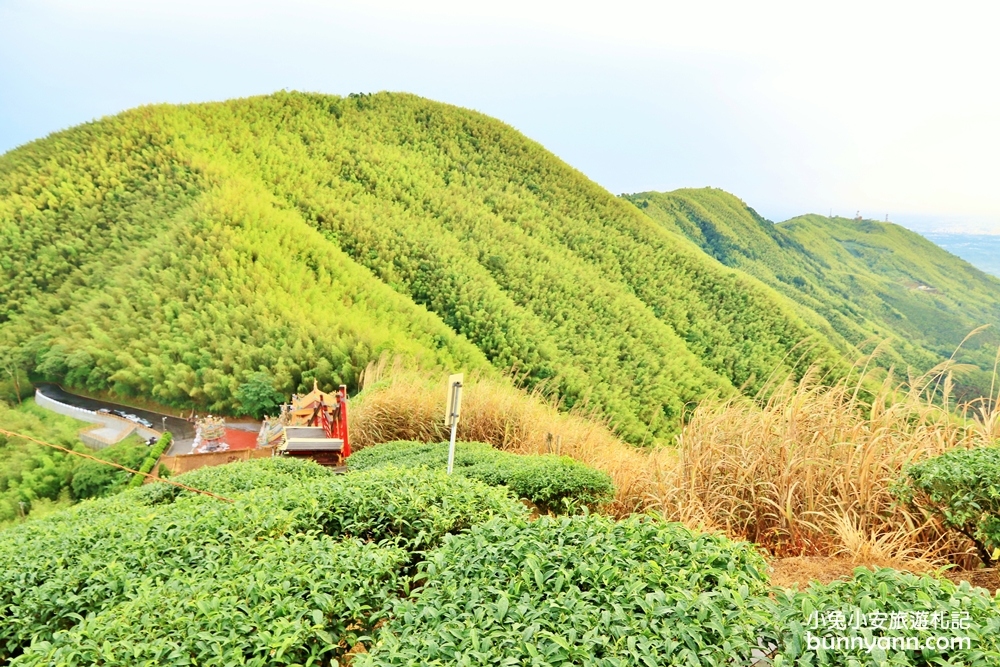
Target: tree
{"type": "Point", "coordinates": [257, 396]}
{"type": "Point", "coordinates": [13, 363]}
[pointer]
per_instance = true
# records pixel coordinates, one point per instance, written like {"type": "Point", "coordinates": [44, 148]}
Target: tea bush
{"type": "Point", "coordinates": [288, 601]}
{"type": "Point", "coordinates": [276, 472]}
{"type": "Point", "coordinates": [553, 483]}
{"type": "Point", "coordinates": [581, 590]}
{"type": "Point", "coordinates": [86, 560]}
{"type": "Point", "coordinates": [962, 489]}
{"type": "Point", "coordinates": [873, 598]}
{"type": "Point", "coordinates": [413, 509]}
{"type": "Point", "coordinates": [155, 452]}
{"type": "Point", "coordinates": [588, 591]}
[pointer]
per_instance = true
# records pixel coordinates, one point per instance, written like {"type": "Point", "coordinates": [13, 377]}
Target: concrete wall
{"type": "Point", "coordinates": [187, 462]}
{"type": "Point", "coordinates": [63, 409]}
{"type": "Point", "coordinates": [99, 437]}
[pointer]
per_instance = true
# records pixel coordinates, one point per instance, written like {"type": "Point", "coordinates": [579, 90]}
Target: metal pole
{"type": "Point", "coordinates": [454, 425]}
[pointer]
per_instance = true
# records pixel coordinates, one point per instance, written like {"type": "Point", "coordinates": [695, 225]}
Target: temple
{"type": "Point", "coordinates": [311, 426]}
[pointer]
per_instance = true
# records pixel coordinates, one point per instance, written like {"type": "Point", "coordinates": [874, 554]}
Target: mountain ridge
{"type": "Point", "coordinates": [522, 264]}
{"type": "Point", "coordinates": [173, 251]}
{"type": "Point", "coordinates": [870, 281]}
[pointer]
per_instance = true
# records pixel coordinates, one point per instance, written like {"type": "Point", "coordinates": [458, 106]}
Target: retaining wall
{"type": "Point", "coordinates": [63, 409]}
{"type": "Point", "coordinates": [182, 463]}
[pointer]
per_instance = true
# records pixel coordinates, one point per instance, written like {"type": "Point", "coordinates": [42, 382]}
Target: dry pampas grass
{"type": "Point", "coordinates": [806, 471]}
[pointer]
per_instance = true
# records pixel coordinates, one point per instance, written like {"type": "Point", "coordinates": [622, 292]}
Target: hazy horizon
{"type": "Point", "coordinates": [873, 108]}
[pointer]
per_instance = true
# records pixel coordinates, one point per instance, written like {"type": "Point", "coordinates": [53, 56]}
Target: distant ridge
{"type": "Point", "coordinates": [867, 280]}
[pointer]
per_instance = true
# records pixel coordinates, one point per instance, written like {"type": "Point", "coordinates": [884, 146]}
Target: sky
{"type": "Point", "coordinates": [883, 108]}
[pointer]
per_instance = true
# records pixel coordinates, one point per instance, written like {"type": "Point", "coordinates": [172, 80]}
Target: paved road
{"type": "Point", "coordinates": [182, 430]}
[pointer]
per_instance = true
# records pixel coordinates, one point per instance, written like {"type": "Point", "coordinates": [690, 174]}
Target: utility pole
{"type": "Point", "coordinates": [453, 410]}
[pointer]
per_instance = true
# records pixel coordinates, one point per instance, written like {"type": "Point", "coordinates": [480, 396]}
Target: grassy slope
{"type": "Point", "coordinates": [170, 250]}
{"type": "Point", "coordinates": [861, 278]}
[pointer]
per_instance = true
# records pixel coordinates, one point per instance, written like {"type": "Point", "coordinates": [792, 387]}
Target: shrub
{"type": "Point", "coordinates": [413, 509]}
{"type": "Point", "coordinates": [585, 590]}
{"type": "Point", "coordinates": [581, 590]}
{"type": "Point", "coordinates": [30, 472]}
{"type": "Point", "coordinates": [86, 560]}
{"type": "Point", "coordinates": [276, 472]}
{"type": "Point", "coordinates": [155, 452]}
{"type": "Point", "coordinates": [962, 489]}
{"type": "Point", "coordinates": [873, 597]}
{"type": "Point", "coordinates": [553, 483]}
{"type": "Point", "coordinates": [289, 601]}
{"type": "Point", "coordinates": [92, 479]}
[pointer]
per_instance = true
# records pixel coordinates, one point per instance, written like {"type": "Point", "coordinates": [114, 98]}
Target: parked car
{"type": "Point", "coordinates": [126, 415]}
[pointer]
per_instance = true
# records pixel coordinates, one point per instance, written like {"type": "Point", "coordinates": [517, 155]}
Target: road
{"type": "Point", "coordinates": [182, 430]}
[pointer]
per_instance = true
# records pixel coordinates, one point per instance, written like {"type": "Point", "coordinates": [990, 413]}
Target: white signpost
{"type": "Point", "coordinates": [453, 409]}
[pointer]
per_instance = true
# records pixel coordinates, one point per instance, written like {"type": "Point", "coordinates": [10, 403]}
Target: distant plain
{"type": "Point", "coordinates": [980, 250]}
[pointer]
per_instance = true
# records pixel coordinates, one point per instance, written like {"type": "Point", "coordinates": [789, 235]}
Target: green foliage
{"type": "Point", "coordinates": [15, 385]}
{"type": "Point", "coordinates": [15, 392]}
{"type": "Point", "coordinates": [304, 563]}
{"type": "Point", "coordinates": [962, 489]}
{"type": "Point", "coordinates": [276, 472]}
{"type": "Point", "coordinates": [309, 234]}
{"type": "Point", "coordinates": [857, 281]}
{"type": "Point", "coordinates": [589, 591]}
{"type": "Point", "coordinates": [413, 509]}
{"type": "Point", "coordinates": [92, 479]}
{"type": "Point", "coordinates": [257, 396]}
{"type": "Point", "coordinates": [581, 590]}
{"type": "Point", "coordinates": [31, 473]}
{"type": "Point", "coordinates": [552, 483]}
{"type": "Point", "coordinates": [887, 592]}
{"type": "Point", "coordinates": [195, 551]}
{"type": "Point", "coordinates": [286, 601]}
{"type": "Point", "coordinates": [155, 452]}
{"type": "Point", "coordinates": [409, 508]}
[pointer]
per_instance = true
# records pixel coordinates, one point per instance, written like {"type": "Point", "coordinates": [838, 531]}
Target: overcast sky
{"type": "Point", "coordinates": [887, 108]}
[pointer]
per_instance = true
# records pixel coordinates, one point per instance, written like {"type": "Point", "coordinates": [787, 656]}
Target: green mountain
{"type": "Point", "coordinates": [859, 281]}
{"type": "Point", "coordinates": [171, 251]}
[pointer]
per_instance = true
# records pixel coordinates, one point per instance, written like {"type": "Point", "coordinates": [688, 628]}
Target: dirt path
{"type": "Point", "coordinates": [801, 570]}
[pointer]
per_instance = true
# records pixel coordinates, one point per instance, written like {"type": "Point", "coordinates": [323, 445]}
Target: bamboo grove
{"type": "Point", "coordinates": [173, 252]}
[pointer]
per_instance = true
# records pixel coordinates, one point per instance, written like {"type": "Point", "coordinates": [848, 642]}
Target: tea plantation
{"type": "Point", "coordinates": [552, 483]}
{"type": "Point", "coordinates": [419, 568]}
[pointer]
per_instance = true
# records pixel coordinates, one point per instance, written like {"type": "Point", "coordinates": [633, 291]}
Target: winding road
{"type": "Point", "coordinates": [182, 430]}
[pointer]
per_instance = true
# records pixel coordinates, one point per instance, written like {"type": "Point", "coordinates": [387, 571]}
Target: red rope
{"type": "Point", "coordinates": [112, 463]}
